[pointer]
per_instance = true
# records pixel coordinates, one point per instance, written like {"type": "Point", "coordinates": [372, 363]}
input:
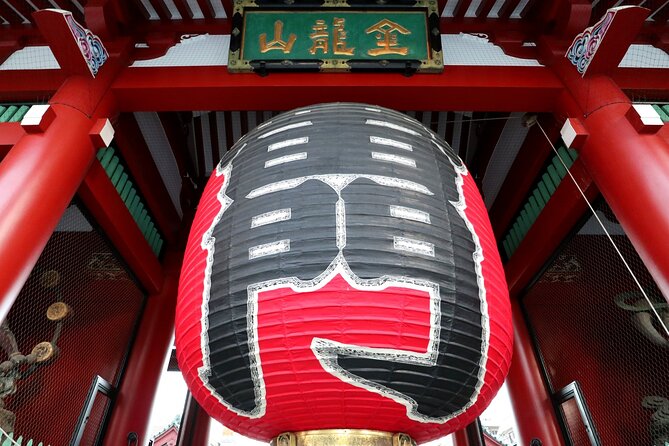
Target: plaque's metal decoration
{"type": "Point", "coordinates": [92, 49]}
{"type": "Point", "coordinates": [659, 427]}
{"type": "Point", "coordinates": [644, 318]}
{"type": "Point", "coordinates": [585, 44]}
{"type": "Point", "coordinates": [337, 36]}
{"type": "Point", "coordinates": [341, 272]}
{"type": "Point", "coordinates": [18, 366]}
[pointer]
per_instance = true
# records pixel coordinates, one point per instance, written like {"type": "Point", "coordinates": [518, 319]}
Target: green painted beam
{"type": "Point", "coordinates": [116, 171]}
{"type": "Point", "coordinates": [538, 197]}
{"type": "Point", "coordinates": [663, 112]}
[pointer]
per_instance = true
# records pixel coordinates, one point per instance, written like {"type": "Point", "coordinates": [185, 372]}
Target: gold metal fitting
{"type": "Point", "coordinates": [50, 278]}
{"type": "Point", "coordinates": [342, 437]}
{"type": "Point", "coordinates": [58, 311]}
{"type": "Point", "coordinates": [43, 351]}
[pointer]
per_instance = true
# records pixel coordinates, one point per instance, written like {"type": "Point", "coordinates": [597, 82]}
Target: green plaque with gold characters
{"type": "Point", "coordinates": [335, 37]}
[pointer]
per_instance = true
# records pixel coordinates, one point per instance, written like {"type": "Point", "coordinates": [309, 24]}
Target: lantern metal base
{"type": "Point", "coordinates": [342, 437]}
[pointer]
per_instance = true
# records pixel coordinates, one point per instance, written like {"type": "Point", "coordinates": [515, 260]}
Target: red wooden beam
{"type": "Point", "coordinates": [102, 200]}
{"type": "Point", "coordinates": [649, 82]}
{"type": "Point", "coordinates": [10, 133]}
{"type": "Point", "coordinates": [23, 35]}
{"type": "Point", "coordinates": [7, 48]}
{"type": "Point", "coordinates": [458, 88]}
{"type": "Point", "coordinates": [100, 18]}
{"type": "Point", "coordinates": [159, 29]}
{"type": "Point", "coordinates": [145, 174]}
{"type": "Point", "coordinates": [564, 209]}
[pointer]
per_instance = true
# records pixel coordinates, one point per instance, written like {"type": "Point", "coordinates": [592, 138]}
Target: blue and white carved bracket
{"type": "Point", "coordinates": [92, 49]}
{"type": "Point", "coordinates": [585, 44]}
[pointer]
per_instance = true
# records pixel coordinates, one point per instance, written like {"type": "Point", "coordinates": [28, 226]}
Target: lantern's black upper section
{"type": "Point", "coordinates": [366, 185]}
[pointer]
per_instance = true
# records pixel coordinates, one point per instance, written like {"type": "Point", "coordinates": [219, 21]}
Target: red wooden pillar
{"type": "Point", "coordinates": [460, 438]}
{"type": "Point", "coordinates": [194, 430]}
{"type": "Point", "coordinates": [41, 173]}
{"type": "Point", "coordinates": [38, 178]}
{"type": "Point", "coordinates": [531, 401]}
{"type": "Point", "coordinates": [628, 162]}
{"type": "Point", "coordinates": [630, 167]}
{"type": "Point", "coordinates": [134, 400]}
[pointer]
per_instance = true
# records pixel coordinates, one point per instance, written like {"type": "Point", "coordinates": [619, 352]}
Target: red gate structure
{"type": "Point", "coordinates": [113, 114]}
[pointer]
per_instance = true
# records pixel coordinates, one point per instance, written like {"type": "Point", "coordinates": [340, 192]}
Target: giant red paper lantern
{"type": "Point", "coordinates": [341, 272]}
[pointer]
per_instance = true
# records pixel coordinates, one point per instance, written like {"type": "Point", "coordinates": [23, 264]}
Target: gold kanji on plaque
{"type": "Point", "coordinates": [339, 38]}
{"type": "Point", "coordinates": [278, 43]}
{"type": "Point", "coordinates": [319, 37]}
{"type": "Point", "coordinates": [386, 38]}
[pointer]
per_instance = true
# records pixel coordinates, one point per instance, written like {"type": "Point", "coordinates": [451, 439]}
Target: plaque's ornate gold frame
{"type": "Point", "coordinates": [435, 64]}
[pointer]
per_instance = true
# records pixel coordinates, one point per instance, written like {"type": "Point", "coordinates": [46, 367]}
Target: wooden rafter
{"type": "Point", "coordinates": [206, 8]}
{"type": "Point", "coordinates": [161, 9]}
{"type": "Point", "coordinates": [507, 9]}
{"type": "Point", "coordinates": [227, 6]}
{"type": "Point", "coordinates": [22, 7]}
{"type": "Point", "coordinates": [461, 8]}
{"type": "Point", "coordinates": [11, 15]}
{"type": "Point", "coordinates": [484, 9]}
{"type": "Point", "coordinates": [660, 14]}
{"type": "Point", "coordinates": [184, 10]}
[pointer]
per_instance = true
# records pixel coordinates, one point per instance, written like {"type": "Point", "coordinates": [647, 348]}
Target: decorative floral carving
{"type": "Point", "coordinates": [90, 45]}
{"type": "Point", "coordinates": [585, 45]}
